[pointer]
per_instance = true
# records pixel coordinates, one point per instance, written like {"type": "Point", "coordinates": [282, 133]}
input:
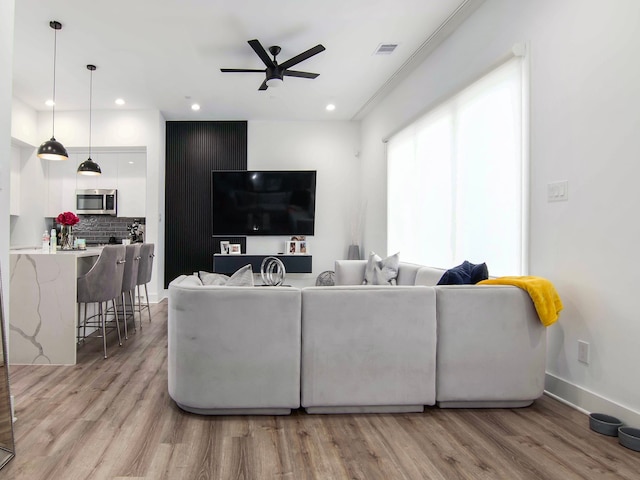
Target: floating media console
{"type": "Point", "coordinates": [230, 263]}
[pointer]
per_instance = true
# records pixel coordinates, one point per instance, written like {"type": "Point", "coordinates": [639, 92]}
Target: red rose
{"type": "Point", "coordinates": [67, 218]}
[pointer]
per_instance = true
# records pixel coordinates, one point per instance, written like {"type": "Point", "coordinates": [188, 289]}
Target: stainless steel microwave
{"type": "Point", "coordinates": [97, 202]}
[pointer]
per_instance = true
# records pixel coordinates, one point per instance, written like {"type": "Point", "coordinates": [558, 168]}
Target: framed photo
{"type": "Point", "coordinates": [234, 249]}
{"type": "Point", "coordinates": [302, 247]}
{"type": "Point", "coordinates": [298, 238]}
{"type": "Point", "coordinates": [292, 247]}
{"type": "Point", "coordinates": [224, 247]}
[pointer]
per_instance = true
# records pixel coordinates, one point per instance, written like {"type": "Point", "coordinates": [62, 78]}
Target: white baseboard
{"type": "Point", "coordinates": [158, 297]}
{"type": "Point", "coordinates": [587, 401]}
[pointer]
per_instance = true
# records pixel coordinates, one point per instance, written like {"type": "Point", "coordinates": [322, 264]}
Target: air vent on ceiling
{"type": "Point", "coordinates": [385, 48]}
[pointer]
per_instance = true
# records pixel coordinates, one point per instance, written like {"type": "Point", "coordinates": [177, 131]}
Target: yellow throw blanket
{"type": "Point", "coordinates": [542, 293]}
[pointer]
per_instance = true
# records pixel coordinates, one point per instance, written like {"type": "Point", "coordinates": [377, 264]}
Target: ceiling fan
{"type": "Point", "coordinates": [275, 73]}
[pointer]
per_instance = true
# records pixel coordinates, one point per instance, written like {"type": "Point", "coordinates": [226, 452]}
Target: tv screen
{"type": "Point", "coordinates": [263, 202]}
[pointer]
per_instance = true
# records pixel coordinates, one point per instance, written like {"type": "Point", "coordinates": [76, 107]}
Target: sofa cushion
{"type": "Point", "coordinates": [213, 278]}
{"type": "Point", "coordinates": [466, 273]}
{"type": "Point", "coordinates": [191, 280]}
{"type": "Point", "coordinates": [243, 277]}
{"type": "Point", "coordinates": [381, 271]}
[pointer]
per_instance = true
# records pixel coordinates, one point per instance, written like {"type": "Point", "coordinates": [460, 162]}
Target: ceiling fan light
{"type": "Point", "coordinates": [274, 82]}
{"type": "Point", "coordinates": [52, 150]}
{"type": "Point", "coordinates": [89, 167]}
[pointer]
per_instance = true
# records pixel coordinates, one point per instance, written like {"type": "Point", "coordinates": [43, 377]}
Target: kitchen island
{"type": "Point", "coordinates": [42, 308]}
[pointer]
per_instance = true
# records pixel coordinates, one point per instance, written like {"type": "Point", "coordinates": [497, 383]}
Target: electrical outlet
{"type": "Point", "coordinates": [583, 352]}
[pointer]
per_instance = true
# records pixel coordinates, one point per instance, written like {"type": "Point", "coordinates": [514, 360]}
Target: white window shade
{"type": "Point", "coordinates": [455, 179]}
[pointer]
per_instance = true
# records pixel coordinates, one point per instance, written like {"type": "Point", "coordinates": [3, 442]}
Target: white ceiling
{"type": "Point", "coordinates": [167, 54]}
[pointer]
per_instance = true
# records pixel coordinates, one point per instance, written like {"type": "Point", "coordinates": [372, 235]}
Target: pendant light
{"type": "Point", "coordinates": [89, 167]}
{"type": "Point", "coordinates": [52, 149]}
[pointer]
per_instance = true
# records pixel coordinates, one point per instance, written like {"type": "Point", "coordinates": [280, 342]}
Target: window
{"type": "Point", "coordinates": [456, 179]}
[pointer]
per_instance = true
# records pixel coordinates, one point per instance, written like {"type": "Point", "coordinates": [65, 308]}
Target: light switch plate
{"type": "Point", "coordinates": [558, 191]}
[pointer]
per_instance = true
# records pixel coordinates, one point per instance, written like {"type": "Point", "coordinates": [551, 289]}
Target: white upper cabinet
{"type": "Point", "coordinates": [108, 163]}
{"type": "Point", "coordinates": [132, 184]}
{"type": "Point", "coordinates": [14, 180]}
{"type": "Point", "coordinates": [125, 171]}
{"type": "Point", "coordinates": [61, 176]}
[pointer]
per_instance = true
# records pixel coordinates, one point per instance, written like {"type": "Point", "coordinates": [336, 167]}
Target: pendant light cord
{"type": "Point", "coordinates": [90, 107]}
{"type": "Point", "coordinates": [53, 108]}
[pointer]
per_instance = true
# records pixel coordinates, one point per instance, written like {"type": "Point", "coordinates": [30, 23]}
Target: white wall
{"type": "Point", "coordinates": [127, 128]}
{"type": "Point", "coordinates": [6, 60]}
{"type": "Point", "coordinates": [584, 129]}
{"type": "Point", "coordinates": [331, 148]}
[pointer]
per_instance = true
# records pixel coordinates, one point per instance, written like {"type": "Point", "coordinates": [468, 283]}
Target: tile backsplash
{"type": "Point", "coordinates": [98, 229]}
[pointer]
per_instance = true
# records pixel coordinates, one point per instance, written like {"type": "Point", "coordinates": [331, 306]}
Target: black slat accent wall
{"type": "Point", "coordinates": [193, 149]}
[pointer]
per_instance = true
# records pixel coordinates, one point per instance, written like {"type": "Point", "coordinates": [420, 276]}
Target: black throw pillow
{"type": "Point", "coordinates": [466, 273]}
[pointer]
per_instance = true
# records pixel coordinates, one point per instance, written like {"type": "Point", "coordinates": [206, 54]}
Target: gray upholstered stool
{"type": "Point", "coordinates": [101, 284]}
{"type": "Point", "coordinates": [144, 276]}
{"type": "Point", "coordinates": [129, 280]}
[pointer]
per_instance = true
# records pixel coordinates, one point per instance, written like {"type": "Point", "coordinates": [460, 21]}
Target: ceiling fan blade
{"type": "Point", "coordinates": [263, 86]}
{"type": "Point", "coordinates": [303, 56]}
{"type": "Point", "coordinates": [294, 73]}
{"type": "Point", "coordinates": [236, 70]}
{"type": "Point", "coordinates": [262, 53]}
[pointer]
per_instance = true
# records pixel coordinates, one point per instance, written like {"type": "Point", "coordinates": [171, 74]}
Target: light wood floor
{"type": "Point", "coordinates": [113, 419]}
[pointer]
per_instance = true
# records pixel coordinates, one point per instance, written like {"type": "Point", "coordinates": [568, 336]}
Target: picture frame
{"type": "Point", "coordinates": [224, 247]}
{"type": "Point", "coordinates": [303, 248]}
{"type": "Point", "coordinates": [292, 247]}
{"type": "Point", "coordinates": [234, 249]}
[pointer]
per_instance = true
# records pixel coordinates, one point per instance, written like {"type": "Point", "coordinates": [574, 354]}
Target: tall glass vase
{"type": "Point", "coordinates": [66, 237]}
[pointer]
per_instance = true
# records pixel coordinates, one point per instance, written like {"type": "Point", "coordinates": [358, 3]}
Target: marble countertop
{"type": "Point", "coordinates": [89, 252]}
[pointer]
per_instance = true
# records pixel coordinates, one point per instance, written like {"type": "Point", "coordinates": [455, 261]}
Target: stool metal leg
{"type": "Point", "coordinates": [104, 328]}
{"type": "Point", "coordinates": [117, 321]}
{"type": "Point", "coordinates": [124, 313]}
{"type": "Point", "coordinates": [146, 297]}
{"type": "Point", "coordinates": [133, 309]}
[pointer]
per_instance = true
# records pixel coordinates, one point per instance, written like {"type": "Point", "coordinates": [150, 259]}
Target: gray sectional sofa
{"type": "Point", "coordinates": [353, 348]}
{"type": "Point", "coordinates": [233, 350]}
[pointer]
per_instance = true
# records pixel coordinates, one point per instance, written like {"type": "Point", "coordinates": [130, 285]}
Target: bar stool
{"type": "Point", "coordinates": [145, 268]}
{"type": "Point", "coordinates": [103, 282]}
{"type": "Point", "coordinates": [129, 280]}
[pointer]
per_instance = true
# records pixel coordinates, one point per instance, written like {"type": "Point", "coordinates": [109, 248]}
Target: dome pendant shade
{"type": "Point", "coordinates": [52, 150]}
{"type": "Point", "coordinates": [89, 167]}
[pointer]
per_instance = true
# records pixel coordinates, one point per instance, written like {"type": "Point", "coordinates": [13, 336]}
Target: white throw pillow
{"type": "Point", "coordinates": [213, 278]}
{"type": "Point", "coordinates": [191, 280]}
{"type": "Point", "coordinates": [243, 277]}
{"type": "Point", "coordinates": [381, 271]}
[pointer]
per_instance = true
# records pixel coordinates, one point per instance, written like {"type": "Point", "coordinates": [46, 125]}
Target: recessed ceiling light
{"type": "Point", "coordinates": [130, 163]}
{"type": "Point", "coordinates": [120, 101]}
{"type": "Point", "coordinates": [195, 107]}
{"type": "Point", "coordinates": [49, 103]}
{"type": "Point", "coordinates": [331, 107]}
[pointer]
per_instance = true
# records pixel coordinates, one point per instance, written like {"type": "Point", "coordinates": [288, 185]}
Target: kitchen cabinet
{"type": "Point", "coordinates": [109, 177]}
{"type": "Point", "coordinates": [61, 181]}
{"type": "Point", "coordinates": [14, 180]}
{"type": "Point", "coordinates": [124, 170]}
{"type": "Point", "coordinates": [132, 184]}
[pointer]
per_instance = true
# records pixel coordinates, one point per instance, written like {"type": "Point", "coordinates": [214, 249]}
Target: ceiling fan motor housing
{"type": "Point", "coordinates": [275, 73]}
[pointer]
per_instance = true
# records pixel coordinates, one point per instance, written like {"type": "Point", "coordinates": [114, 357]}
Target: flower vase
{"type": "Point", "coordinates": [66, 237]}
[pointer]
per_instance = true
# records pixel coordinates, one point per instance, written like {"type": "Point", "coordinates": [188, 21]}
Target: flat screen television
{"type": "Point", "coordinates": [266, 202]}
